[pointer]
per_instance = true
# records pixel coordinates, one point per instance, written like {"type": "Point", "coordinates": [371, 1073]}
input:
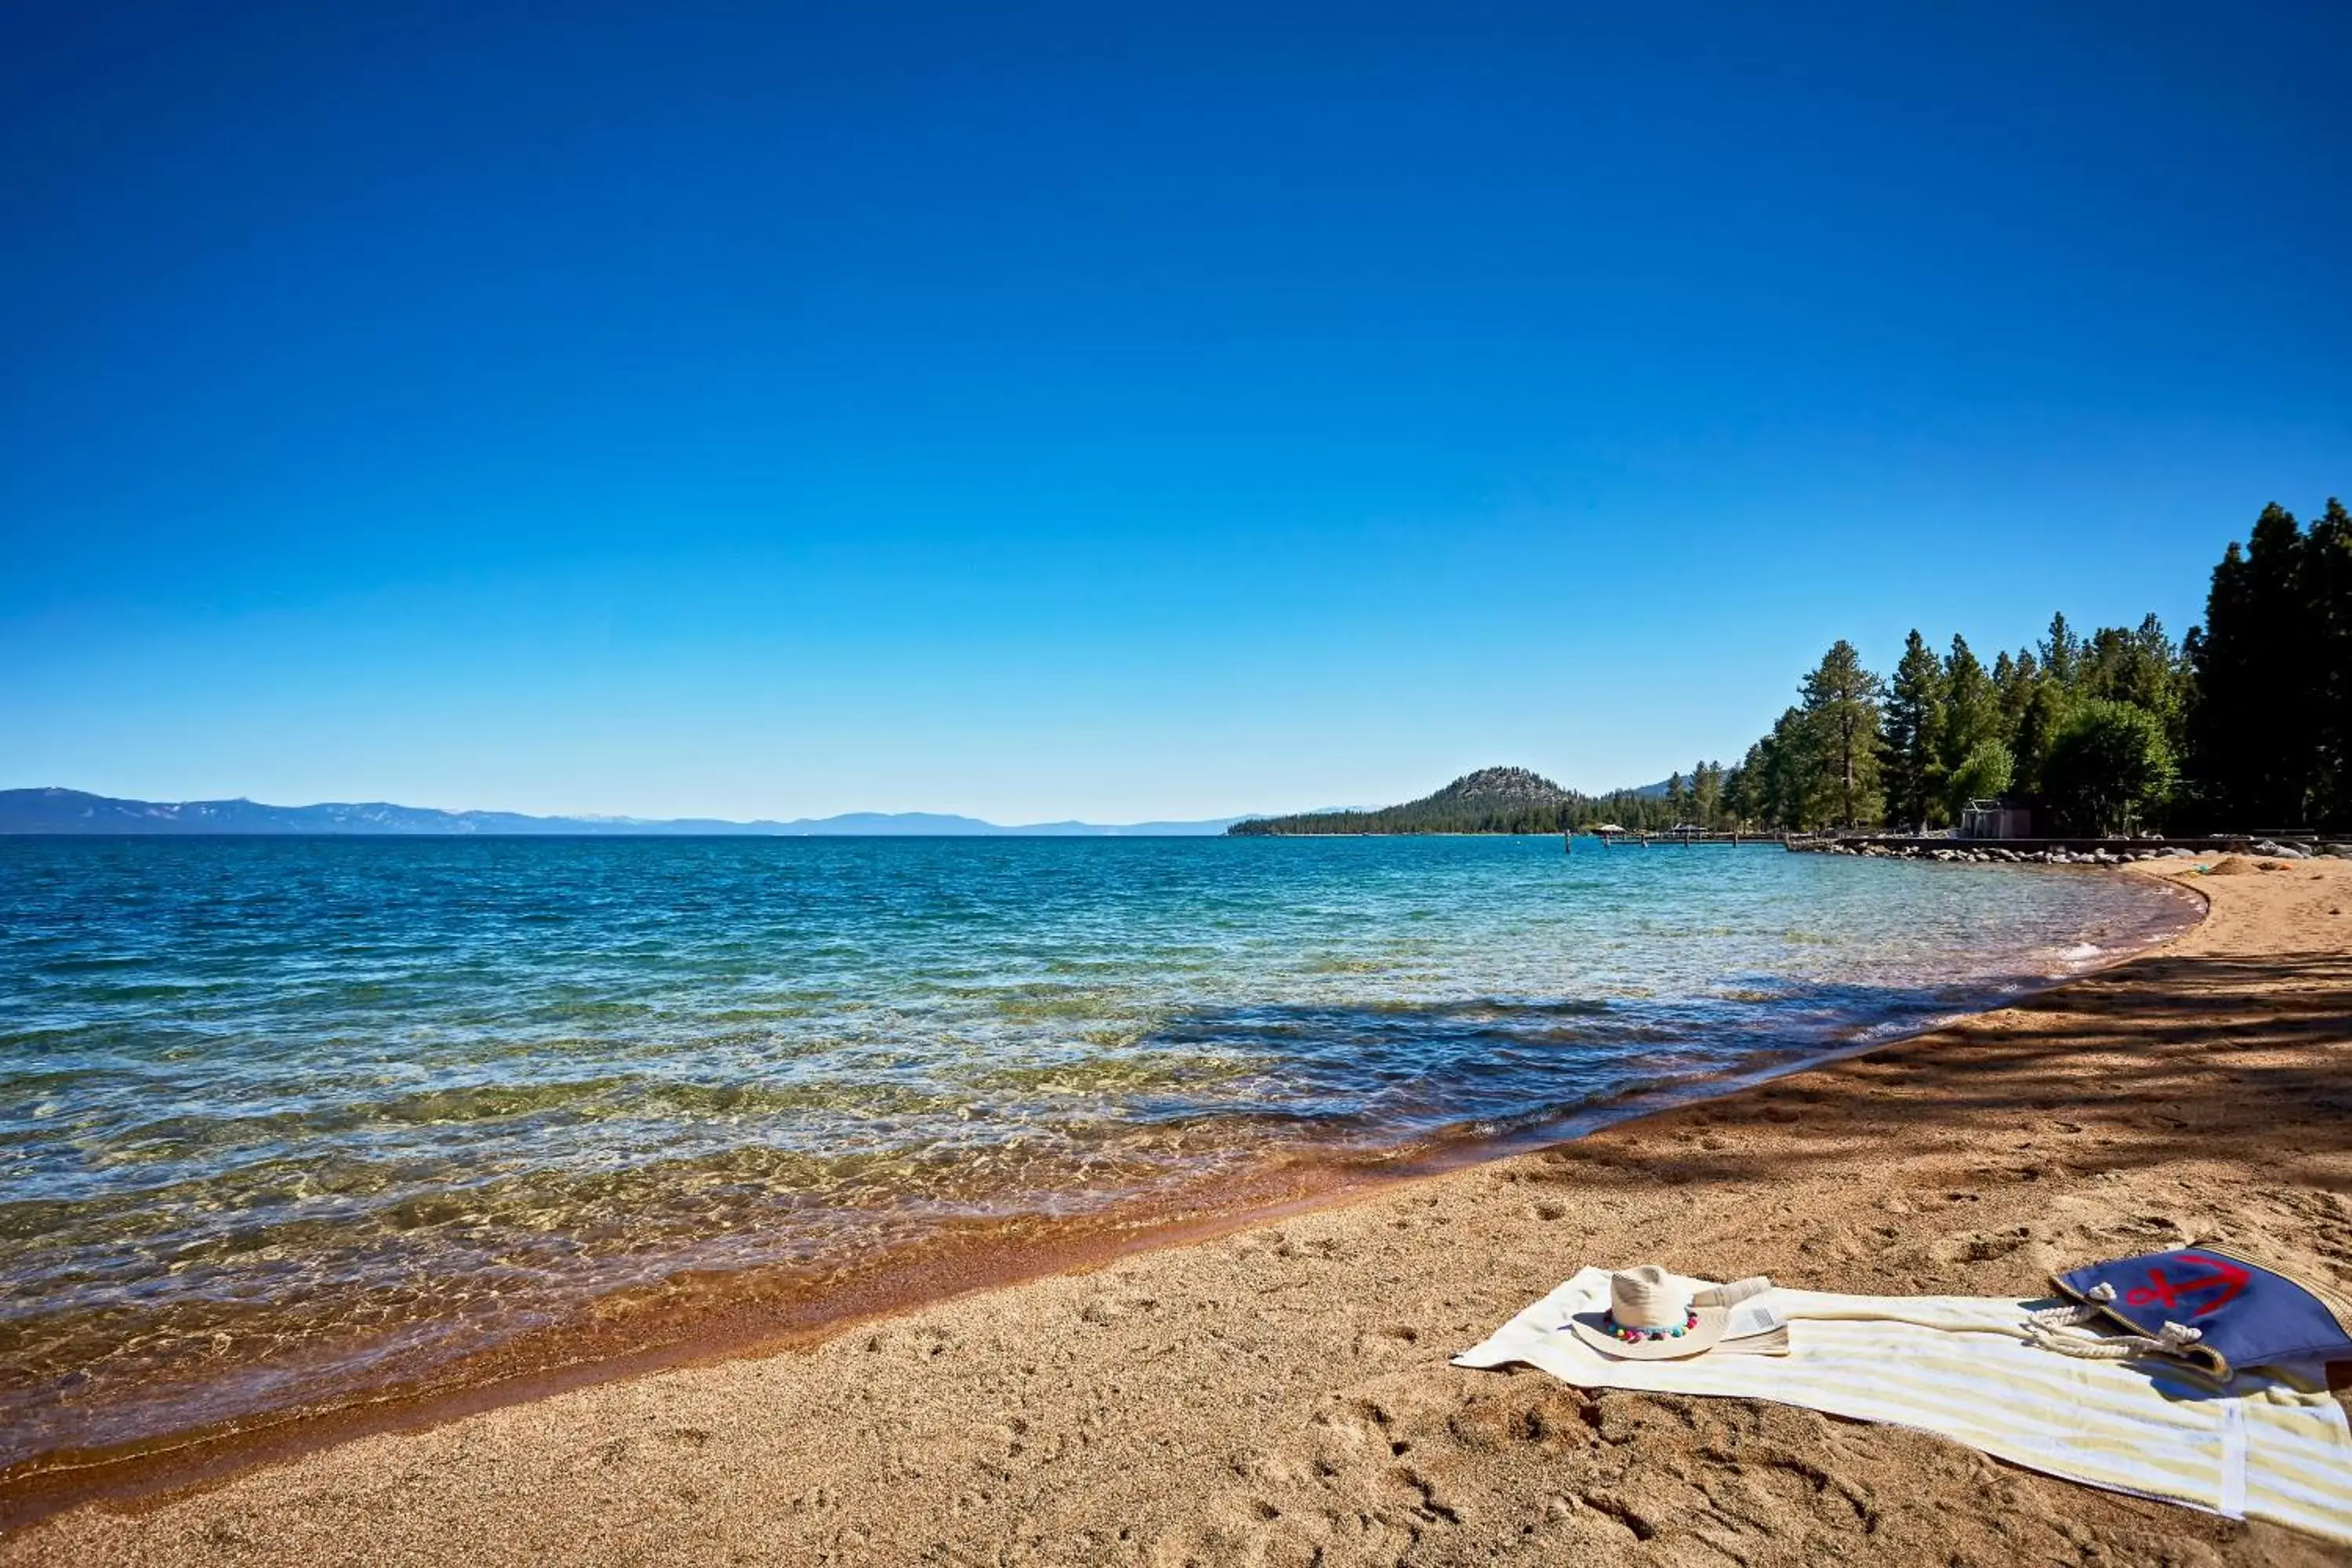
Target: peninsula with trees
{"type": "Point", "coordinates": [2244, 724]}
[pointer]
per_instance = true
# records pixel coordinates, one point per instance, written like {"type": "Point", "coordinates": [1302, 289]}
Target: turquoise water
{"type": "Point", "coordinates": [286, 1120]}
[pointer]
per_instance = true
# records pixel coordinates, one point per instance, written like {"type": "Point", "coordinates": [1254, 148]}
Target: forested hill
{"type": "Point", "coordinates": [1492, 800]}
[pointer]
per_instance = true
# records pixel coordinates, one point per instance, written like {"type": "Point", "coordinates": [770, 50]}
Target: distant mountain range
{"type": "Point", "coordinates": [71, 811]}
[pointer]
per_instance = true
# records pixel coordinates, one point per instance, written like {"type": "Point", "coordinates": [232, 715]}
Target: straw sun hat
{"type": "Point", "coordinates": [1651, 1316]}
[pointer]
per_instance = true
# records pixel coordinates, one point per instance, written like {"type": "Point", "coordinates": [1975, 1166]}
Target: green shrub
{"type": "Point", "coordinates": [1987, 771]}
{"type": "Point", "coordinates": [2110, 768]}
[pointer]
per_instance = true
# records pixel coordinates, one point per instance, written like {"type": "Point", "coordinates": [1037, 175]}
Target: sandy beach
{"type": "Point", "coordinates": [1281, 1395]}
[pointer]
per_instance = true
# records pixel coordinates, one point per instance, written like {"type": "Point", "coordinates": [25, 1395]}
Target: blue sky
{"type": "Point", "coordinates": [1112, 411]}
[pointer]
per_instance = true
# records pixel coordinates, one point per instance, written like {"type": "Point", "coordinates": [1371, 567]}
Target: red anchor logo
{"type": "Point", "coordinates": [2226, 1281]}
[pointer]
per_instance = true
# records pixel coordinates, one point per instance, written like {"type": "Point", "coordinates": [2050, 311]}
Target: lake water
{"type": "Point", "coordinates": [283, 1122]}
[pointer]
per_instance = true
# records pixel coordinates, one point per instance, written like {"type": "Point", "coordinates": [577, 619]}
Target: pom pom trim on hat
{"type": "Point", "coordinates": [1637, 1336]}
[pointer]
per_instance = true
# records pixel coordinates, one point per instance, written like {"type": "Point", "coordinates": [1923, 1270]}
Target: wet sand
{"type": "Point", "coordinates": [1281, 1394]}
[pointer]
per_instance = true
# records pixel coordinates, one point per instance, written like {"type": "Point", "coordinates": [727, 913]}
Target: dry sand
{"type": "Point", "coordinates": [1281, 1395]}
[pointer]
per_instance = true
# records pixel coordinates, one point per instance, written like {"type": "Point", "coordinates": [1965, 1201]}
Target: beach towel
{"type": "Point", "coordinates": [2270, 1444]}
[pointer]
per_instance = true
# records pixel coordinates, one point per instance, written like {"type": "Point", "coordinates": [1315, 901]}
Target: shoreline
{"type": "Point", "coordinates": [753, 1314]}
{"type": "Point", "coordinates": [746, 1325]}
{"type": "Point", "coordinates": [1281, 1387]}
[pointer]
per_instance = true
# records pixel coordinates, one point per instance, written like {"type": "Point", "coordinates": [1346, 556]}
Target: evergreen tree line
{"type": "Point", "coordinates": [2246, 725]}
{"type": "Point", "coordinates": [1512, 800]}
{"type": "Point", "coordinates": [1412, 818]}
{"type": "Point", "coordinates": [1696, 800]}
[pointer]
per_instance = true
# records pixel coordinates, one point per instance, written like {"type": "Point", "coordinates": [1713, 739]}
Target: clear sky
{"type": "Point", "coordinates": [1112, 411]}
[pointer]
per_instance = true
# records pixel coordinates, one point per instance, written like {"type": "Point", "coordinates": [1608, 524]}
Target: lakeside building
{"type": "Point", "coordinates": [1994, 819]}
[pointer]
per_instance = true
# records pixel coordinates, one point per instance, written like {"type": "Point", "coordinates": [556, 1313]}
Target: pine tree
{"type": "Point", "coordinates": [2061, 653]}
{"type": "Point", "coordinates": [1788, 770]}
{"type": "Point", "coordinates": [1736, 811]}
{"type": "Point", "coordinates": [2256, 740]}
{"type": "Point", "coordinates": [1971, 713]}
{"type": "Point", "coordinates": [2013, 683]}
{"type": "Point", "coordinates": [2138, 666]}
{"type": "Point", "coordinates": [2157, 679]}
{"type": "Point", "coordinates": [1915, 736]}
{"type": "Point", "coordinates": [1706, 792]}
{"type": "Point", "coordinates": [2327, 583]}
{"type": "Point", "coordinates": [1841, 711]}
{"type": "Point", "coordinates": [2041, 715]}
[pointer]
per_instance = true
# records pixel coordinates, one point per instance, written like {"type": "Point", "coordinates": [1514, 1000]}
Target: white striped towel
{"type": "Point", "coordinates": [2272, 1444]}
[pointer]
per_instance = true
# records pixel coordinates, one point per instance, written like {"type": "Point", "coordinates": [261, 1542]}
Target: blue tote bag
{"type": "Point", "coordinates": [2215, 1308]}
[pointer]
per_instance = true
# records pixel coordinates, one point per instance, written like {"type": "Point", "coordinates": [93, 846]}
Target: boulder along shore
{"type": "Point", "coordinates": [1281, 1395]}
{"type": "Point", "coordinates": [1979, 852]}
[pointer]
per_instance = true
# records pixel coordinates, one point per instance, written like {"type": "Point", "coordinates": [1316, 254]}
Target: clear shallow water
{"type": "Point", "coordinates": [285, 1119]}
